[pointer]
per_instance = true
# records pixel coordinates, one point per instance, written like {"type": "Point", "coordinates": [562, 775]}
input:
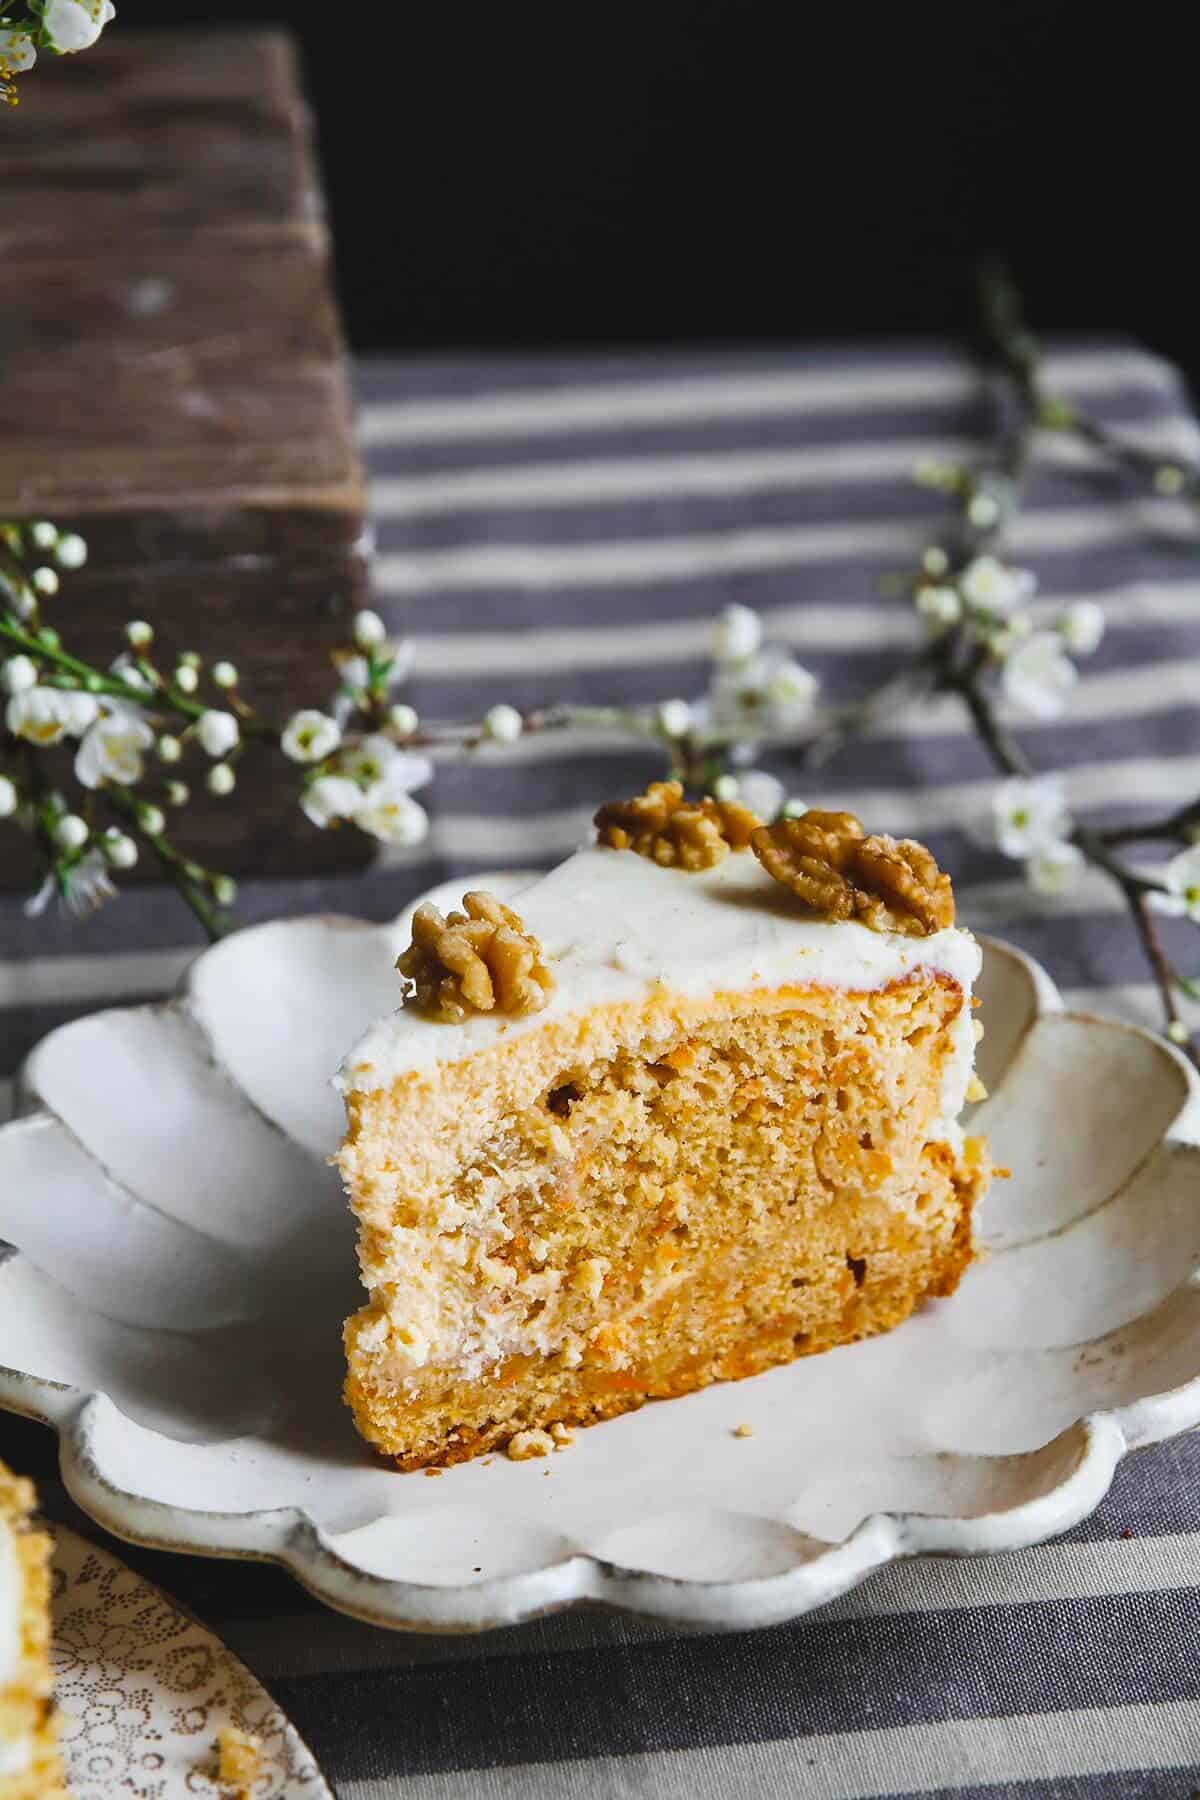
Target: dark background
{"type": "Point", "coordinates": [722, 171]}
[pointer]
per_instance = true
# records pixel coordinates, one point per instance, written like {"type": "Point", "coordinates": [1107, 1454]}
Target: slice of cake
{"type": "Point", "coordinates": [29, 1765]}
{"type": "Point", "coordinates": [691, 1112]}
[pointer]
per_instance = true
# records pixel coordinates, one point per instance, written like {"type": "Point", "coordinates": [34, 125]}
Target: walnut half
{"type": "Point", "coordinates": [828, 862]}
{"type": "Point", "coordinates": [479, 960]}
{"type": "Point", "coordinates": [673, 832]}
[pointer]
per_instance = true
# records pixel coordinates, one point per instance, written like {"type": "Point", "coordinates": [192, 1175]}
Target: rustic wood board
{"type": "Point", "coordinates": [174, 382]}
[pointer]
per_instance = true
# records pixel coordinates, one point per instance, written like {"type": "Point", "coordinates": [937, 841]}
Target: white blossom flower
{"type": "Point", "coordinates": [74, 25]}
{"type": "Point", "coordinates": [17, 53]}
{"type": "Point", "coordinates": [331, 797]}
{"type": "Point", "coordinates": [10, 799]}
{"type": "Point", "coordinates": [369, 630]}
{"type": "Point", "coordinates": [218, 732]}
{"type": "Point", "coordinates": [503, 724]}
{"type": "Point", "coordinates": [988, 585]}
{"type": "Point", "coordinates": [71, 551]}
{"type": "Point", "coordinates": [761, 792]}
{"type": "Point", "coordinates": [71, 832]}
{"type": "Point", "coordinates": [674, 718]}
{"type": "Point", "coordinates": [388, 812]}
{"type": "Point", "coordinates": [18, 674]}
{"type": "Point", "coordinates": [1055, 870]}
{"type": "Point", "coordinates": [1082, 627]}
{"type": "Point", "coordinates": [1029, 815]}
{"type": "Point", "coordinates": [403, 719]}
{"type": "Point", "coordinates": [37, 715]}
{"type": "Point", "coordinates": [791, 693]}
{"type": "Point", "coordinates": [88, 886]}
{"type": "Point", "coordinates": [368, 760]}
{"type": "Point", "coordinates": [126, 670]}
{"type": "Point", "coordinates": [940, 605]}
{"type": "Point", "coordinates": [310, 736]}
{"type": "Point", "coordinates": [1039, 676]}
{"type": "Point", "coordinates": [1182, 879]}
{"type": "Point", "coordinates": [220, 780]}
{"type": "Point", "coordinates": [119, 848]}
{"type": "Point", "coordinates": [224, 675]}
{"type": "Point", "coordinates": [111, 750]}
{"type": "Point", "coordinates": [79, 710]}
{"type": "Point", "coordinates": [737, 635]}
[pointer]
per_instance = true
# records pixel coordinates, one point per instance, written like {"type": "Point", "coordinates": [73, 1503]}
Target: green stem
{"type": "Point", "coordinates": [172, 865]}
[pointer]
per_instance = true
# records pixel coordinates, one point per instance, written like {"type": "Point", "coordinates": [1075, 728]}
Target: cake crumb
{"type": "Point", "coordinates": [530, 1443]}
{"type": "Point", "coordinates": [431, 1473]}
{"type": "Point", "coordinates": [562, 1435]}
{"type": "Point", "coordinates": [743, 1431]}
{"type": "Point", "coordinates": [239, 1760]}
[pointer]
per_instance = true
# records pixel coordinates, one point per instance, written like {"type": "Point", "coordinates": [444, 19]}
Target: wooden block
{"type": "Point", "coordinates": [175, 384]}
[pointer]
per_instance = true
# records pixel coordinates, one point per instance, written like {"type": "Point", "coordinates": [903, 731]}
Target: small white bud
{"type": "Point", "coordinates": [224, 890]}
{"type": "Point", "coordinates": [1178, 1032]}
{"type": "Point", "coordinates": [403, 719]}
{"type": "Point", "coordinates": [24, 601]}
{"type": "Point", "coordinates": [71, 551]}
{"type": "Point", "coordinates": [71, 832]}
{"type": "Point", "coordinates": [43, 535]}
{"type": "Point", "coordinates": [737, 635]}
{"type": "Point", "coordinates": [139, 633]}
{"type": "Point", "coordinates": [934, 561]}
{"type": "Point", "coordinates": [674, 718]}
{"type": "Point", "coordinates": [369, 630]}
{"type": "Point", "coordinates": [221, 779]}
{"type": "Point", "coordinates": [169, 749]}
{"type": "Point", "coordinates": [120, 849]}
{"type": "Point", "coordinates": [18, 674]}
{"type": "Point", "coordinates": [725, 787]}
{"type": "Point", "coordinates": [504, 724]}
{"type": "Point", "coordinates": [178, 793]}
{"type": "Point", "coordinates": [1168, 480]}
{"type": "Point", "coordinates": [983, 511]}
{"type": "Point", "coordinates": [795, 808]}
{"type": "Point", "coordinates": [151, 820]}
{"type": "Point", "coordinates": [224, 675]}
{"type": "Point", "coordinates": [10, 799]}
{"type": "Point", "coordinates": [189, 659]}
{"type": "Point", "coordinates": [1082, 627]}
{"type": "Point", "coordinates": [44, 581]}
{"type": "Point", "coordinates": [218, 732]}
{"type": "Point", "coordinates": [186, 678]}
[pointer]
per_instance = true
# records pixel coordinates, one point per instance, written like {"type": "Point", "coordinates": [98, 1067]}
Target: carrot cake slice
{"type": "Point", "coordinates": [690, 1111]}
{"type": "Point", "coordinates": [29, 1764]}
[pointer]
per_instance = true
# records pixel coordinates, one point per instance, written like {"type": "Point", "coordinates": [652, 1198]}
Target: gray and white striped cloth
{"type": "Point", "coordinates": [566, 528]}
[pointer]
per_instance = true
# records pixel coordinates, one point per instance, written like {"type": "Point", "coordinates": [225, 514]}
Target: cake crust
{"type": "Point", "coordinates": [26, 1701]}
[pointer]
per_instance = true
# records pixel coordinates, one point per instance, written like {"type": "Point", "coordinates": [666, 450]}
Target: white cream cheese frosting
{"type": "Point", "coordinates": [15, 1753]}
{"type": "Point", "coordinates": [614, 925]}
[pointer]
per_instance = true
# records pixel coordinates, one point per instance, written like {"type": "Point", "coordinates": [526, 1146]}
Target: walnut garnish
{"type": "Point", "coordinates": [886, 883]}
{"type": "Point", "coordinates": [479, 960]}
{"type": "Point", "coordinates": [674, 832]}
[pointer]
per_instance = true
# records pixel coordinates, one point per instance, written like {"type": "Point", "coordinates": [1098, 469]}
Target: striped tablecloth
{"type": "Point", "coordinates": [565, 529]}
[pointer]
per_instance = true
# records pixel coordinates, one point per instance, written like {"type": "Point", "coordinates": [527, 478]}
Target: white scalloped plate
{"type": "Point", "coordinates": [185, 1261]}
